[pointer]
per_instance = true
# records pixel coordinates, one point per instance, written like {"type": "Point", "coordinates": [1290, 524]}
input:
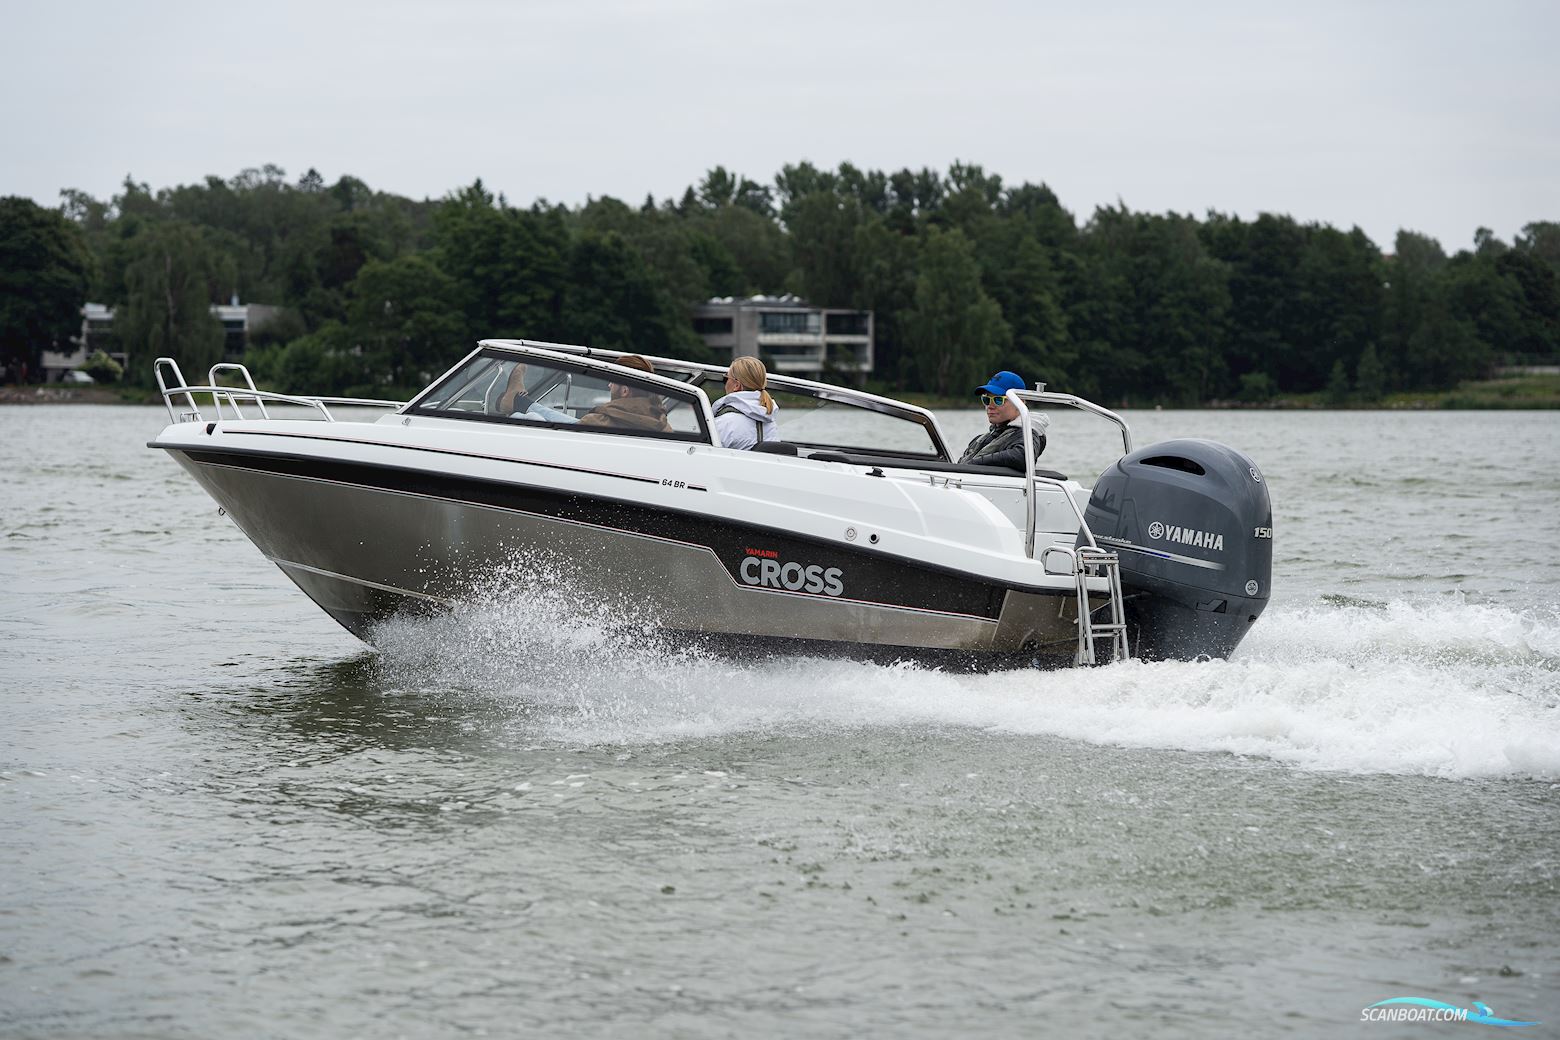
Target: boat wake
{"type": "Point", "coordinates": [1447, 688]}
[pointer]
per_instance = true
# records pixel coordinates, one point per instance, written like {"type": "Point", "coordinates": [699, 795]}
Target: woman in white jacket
{"type": "Point", "coordinates": [746, 415]}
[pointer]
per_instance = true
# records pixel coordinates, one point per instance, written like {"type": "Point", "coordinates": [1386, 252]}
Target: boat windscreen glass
{"type": "Point", "coordinates": [498, 387]}
{"type": "Point", "coordinates": [815, 422]}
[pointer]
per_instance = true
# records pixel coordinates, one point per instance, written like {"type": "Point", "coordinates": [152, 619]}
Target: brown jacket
{"type": "Point", "coordinates": [629, 413]}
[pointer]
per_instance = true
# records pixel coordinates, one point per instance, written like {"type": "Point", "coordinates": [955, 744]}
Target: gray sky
{"type": "Point", "coordinates": [1436, 117]}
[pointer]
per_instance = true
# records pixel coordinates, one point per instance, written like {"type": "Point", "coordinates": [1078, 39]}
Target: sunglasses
{"type": "Point", "coordinates": [999, 400]}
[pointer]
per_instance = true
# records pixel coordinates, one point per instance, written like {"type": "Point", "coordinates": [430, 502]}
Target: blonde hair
{"type": "Point", "coordinates": [750, 375]}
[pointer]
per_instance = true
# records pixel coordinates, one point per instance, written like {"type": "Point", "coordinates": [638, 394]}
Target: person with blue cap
{"type": "Point", "coordinates": [1003, 444]}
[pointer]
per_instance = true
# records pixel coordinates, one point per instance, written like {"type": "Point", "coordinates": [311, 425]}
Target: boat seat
{"type": "Point", "coordinates": [776, 448]}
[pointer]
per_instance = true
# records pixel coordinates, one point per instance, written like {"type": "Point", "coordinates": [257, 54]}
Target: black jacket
{"type": "Point", "coordinates": [1001, 446]}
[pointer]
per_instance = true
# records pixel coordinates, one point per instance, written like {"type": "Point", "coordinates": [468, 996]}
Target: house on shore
{"type": "Point", "coordinates": [239, 322]}
{"type": "Point", "coordinates": [791, 335]}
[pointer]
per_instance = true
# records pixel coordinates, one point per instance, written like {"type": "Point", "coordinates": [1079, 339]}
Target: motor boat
{"type": "Point", "coordinates": [855, 531]}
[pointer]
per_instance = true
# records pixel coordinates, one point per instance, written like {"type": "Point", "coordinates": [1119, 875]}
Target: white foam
{"type": "Point", "coordinates": [1450, 689]}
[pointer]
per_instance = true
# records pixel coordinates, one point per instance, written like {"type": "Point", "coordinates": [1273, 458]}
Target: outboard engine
{"type": "Point", "coordinates": [1192, 525]}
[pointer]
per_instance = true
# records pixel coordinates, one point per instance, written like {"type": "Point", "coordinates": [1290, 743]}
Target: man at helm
{"type": "Point", "coordinates": [1002, 444]}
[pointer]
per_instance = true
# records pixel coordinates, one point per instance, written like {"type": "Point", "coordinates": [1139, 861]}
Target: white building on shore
{"type": "Point", "coordinates": [792, 336]}
{"type": "Point", "coordinates": [238, 320]}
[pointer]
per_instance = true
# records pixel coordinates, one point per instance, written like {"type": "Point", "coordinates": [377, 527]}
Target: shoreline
{"type": "Point", "coordinates": [1526, 393]}
{"type": "Point", "coordinates": [58, 393]}
{"type": "Point", "coordinates": [1533, 392]}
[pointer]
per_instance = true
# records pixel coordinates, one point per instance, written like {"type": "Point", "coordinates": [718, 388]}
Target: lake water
{"type": "Point", "coordinates": [220, 814]}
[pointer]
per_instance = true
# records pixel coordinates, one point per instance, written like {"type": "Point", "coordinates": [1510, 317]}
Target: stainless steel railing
{"type": "Point", "coordinates": [1021, 400]}
{"type": "Point", "coordinates": [1088, 561]}
{"type": "Point", "coordinates": [165, 368]}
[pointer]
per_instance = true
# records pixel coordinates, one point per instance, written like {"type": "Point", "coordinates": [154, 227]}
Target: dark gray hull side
{"type": "Point", "coordinates": [365, 553]}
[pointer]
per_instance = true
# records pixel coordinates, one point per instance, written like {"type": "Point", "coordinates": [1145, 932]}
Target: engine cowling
{"type": "Point", "coordinates": [1192, 524]}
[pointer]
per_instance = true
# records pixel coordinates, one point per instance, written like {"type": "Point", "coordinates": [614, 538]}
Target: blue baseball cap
{"type": "Point", "coordinates": [1001, 383]}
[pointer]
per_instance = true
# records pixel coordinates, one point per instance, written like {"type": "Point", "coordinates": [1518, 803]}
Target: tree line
{"type": "Point", "coordinates": [964, 273]}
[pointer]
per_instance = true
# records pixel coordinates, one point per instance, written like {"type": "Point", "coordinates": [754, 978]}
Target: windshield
{"type": "Point", "coordinates": [496, 386]}
{"type": "Point", "coordinates": [811, 415]}
{"type": "Point", "coordinates": [810, 421]}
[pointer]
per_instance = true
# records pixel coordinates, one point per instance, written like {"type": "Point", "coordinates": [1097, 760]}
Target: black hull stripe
{"type": "Point", "coordinates": [875, 578]}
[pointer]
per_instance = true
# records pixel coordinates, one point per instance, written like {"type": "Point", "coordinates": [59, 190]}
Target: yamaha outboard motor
{"type": "Point", "coordinates": [1191, 523]}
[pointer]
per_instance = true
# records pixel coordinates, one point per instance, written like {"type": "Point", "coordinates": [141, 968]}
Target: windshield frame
{"type": "Point", "coordinates": [695, 373]}
{"type": "Point", "coordinates": [598, 367]}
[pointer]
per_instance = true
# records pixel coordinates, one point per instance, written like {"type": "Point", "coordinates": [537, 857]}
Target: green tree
{"type": "Point", "coordinates": [102, 368]}
{"type": "Point", "coordinates": [508, 264]}
{"type": "Point", "coordinates": [1157, 316]}
{"type": "Point", "coordinates": [687, 263]}
{"type": "Point", "coordinates": [1337, 308]}
{"type": "Point", "coordinates": [720, 189]}
{"type": "Point", "coordinates": [955, 332]}
{"type": "Point", "coordinates": [1536, 290]}
{"type": "Point", "coordinates": [888, 261]}
{"type": "Point", "coordinates": [915, 196]}
{"type": "Point", "coordinates": [173, 278]}
{"type": "Point", "coordinates": [1019, 274]}
{"type": "Point", "coordinates": [254, 218]}
{"type": "Point", "coordinates": [1444, 348]}
{"type": "Point", "coordinates": [973, 196]}
{"type": "Point", "coordinates": [45, 269]}
{"type": "Point", "coordinates": [1541, 240]}
{"type": "Point", "coordinates": [1338, 385]}
{"type": "Point", "coordinates": [1264, 322]}
{"type": "Point", "coordinates": [612, 300]}
{"type": "Point", "coordinates": [795, 183]}
{"type": "Point", "coordinates": [1131, 305]}
{"type": "Point", "coordinates": [867, 188]}
{"type": "Point", "coordinates": [1410, 284]}
{"type": "Point", "coordinates": [1477, 290]}
{"type": "Point", "coordinates": [1256, 388]}
{"type": "Point", "coordinates": [721, 275]}
{"type": "Point", "coordinates": [822, 229]}
{"type": "Point", "coordinates": [1370, 380]}
{"type": "Point", "coordinates": [1486, 244]}
{"type": "Point", "coordinates": [404, 317]}
{"type": "Point", "coordinates": [755, 244]}
{"type": "Point", "coordinates": [322, 362]}
{"type": "Point", "coordinates": [111, 228]}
